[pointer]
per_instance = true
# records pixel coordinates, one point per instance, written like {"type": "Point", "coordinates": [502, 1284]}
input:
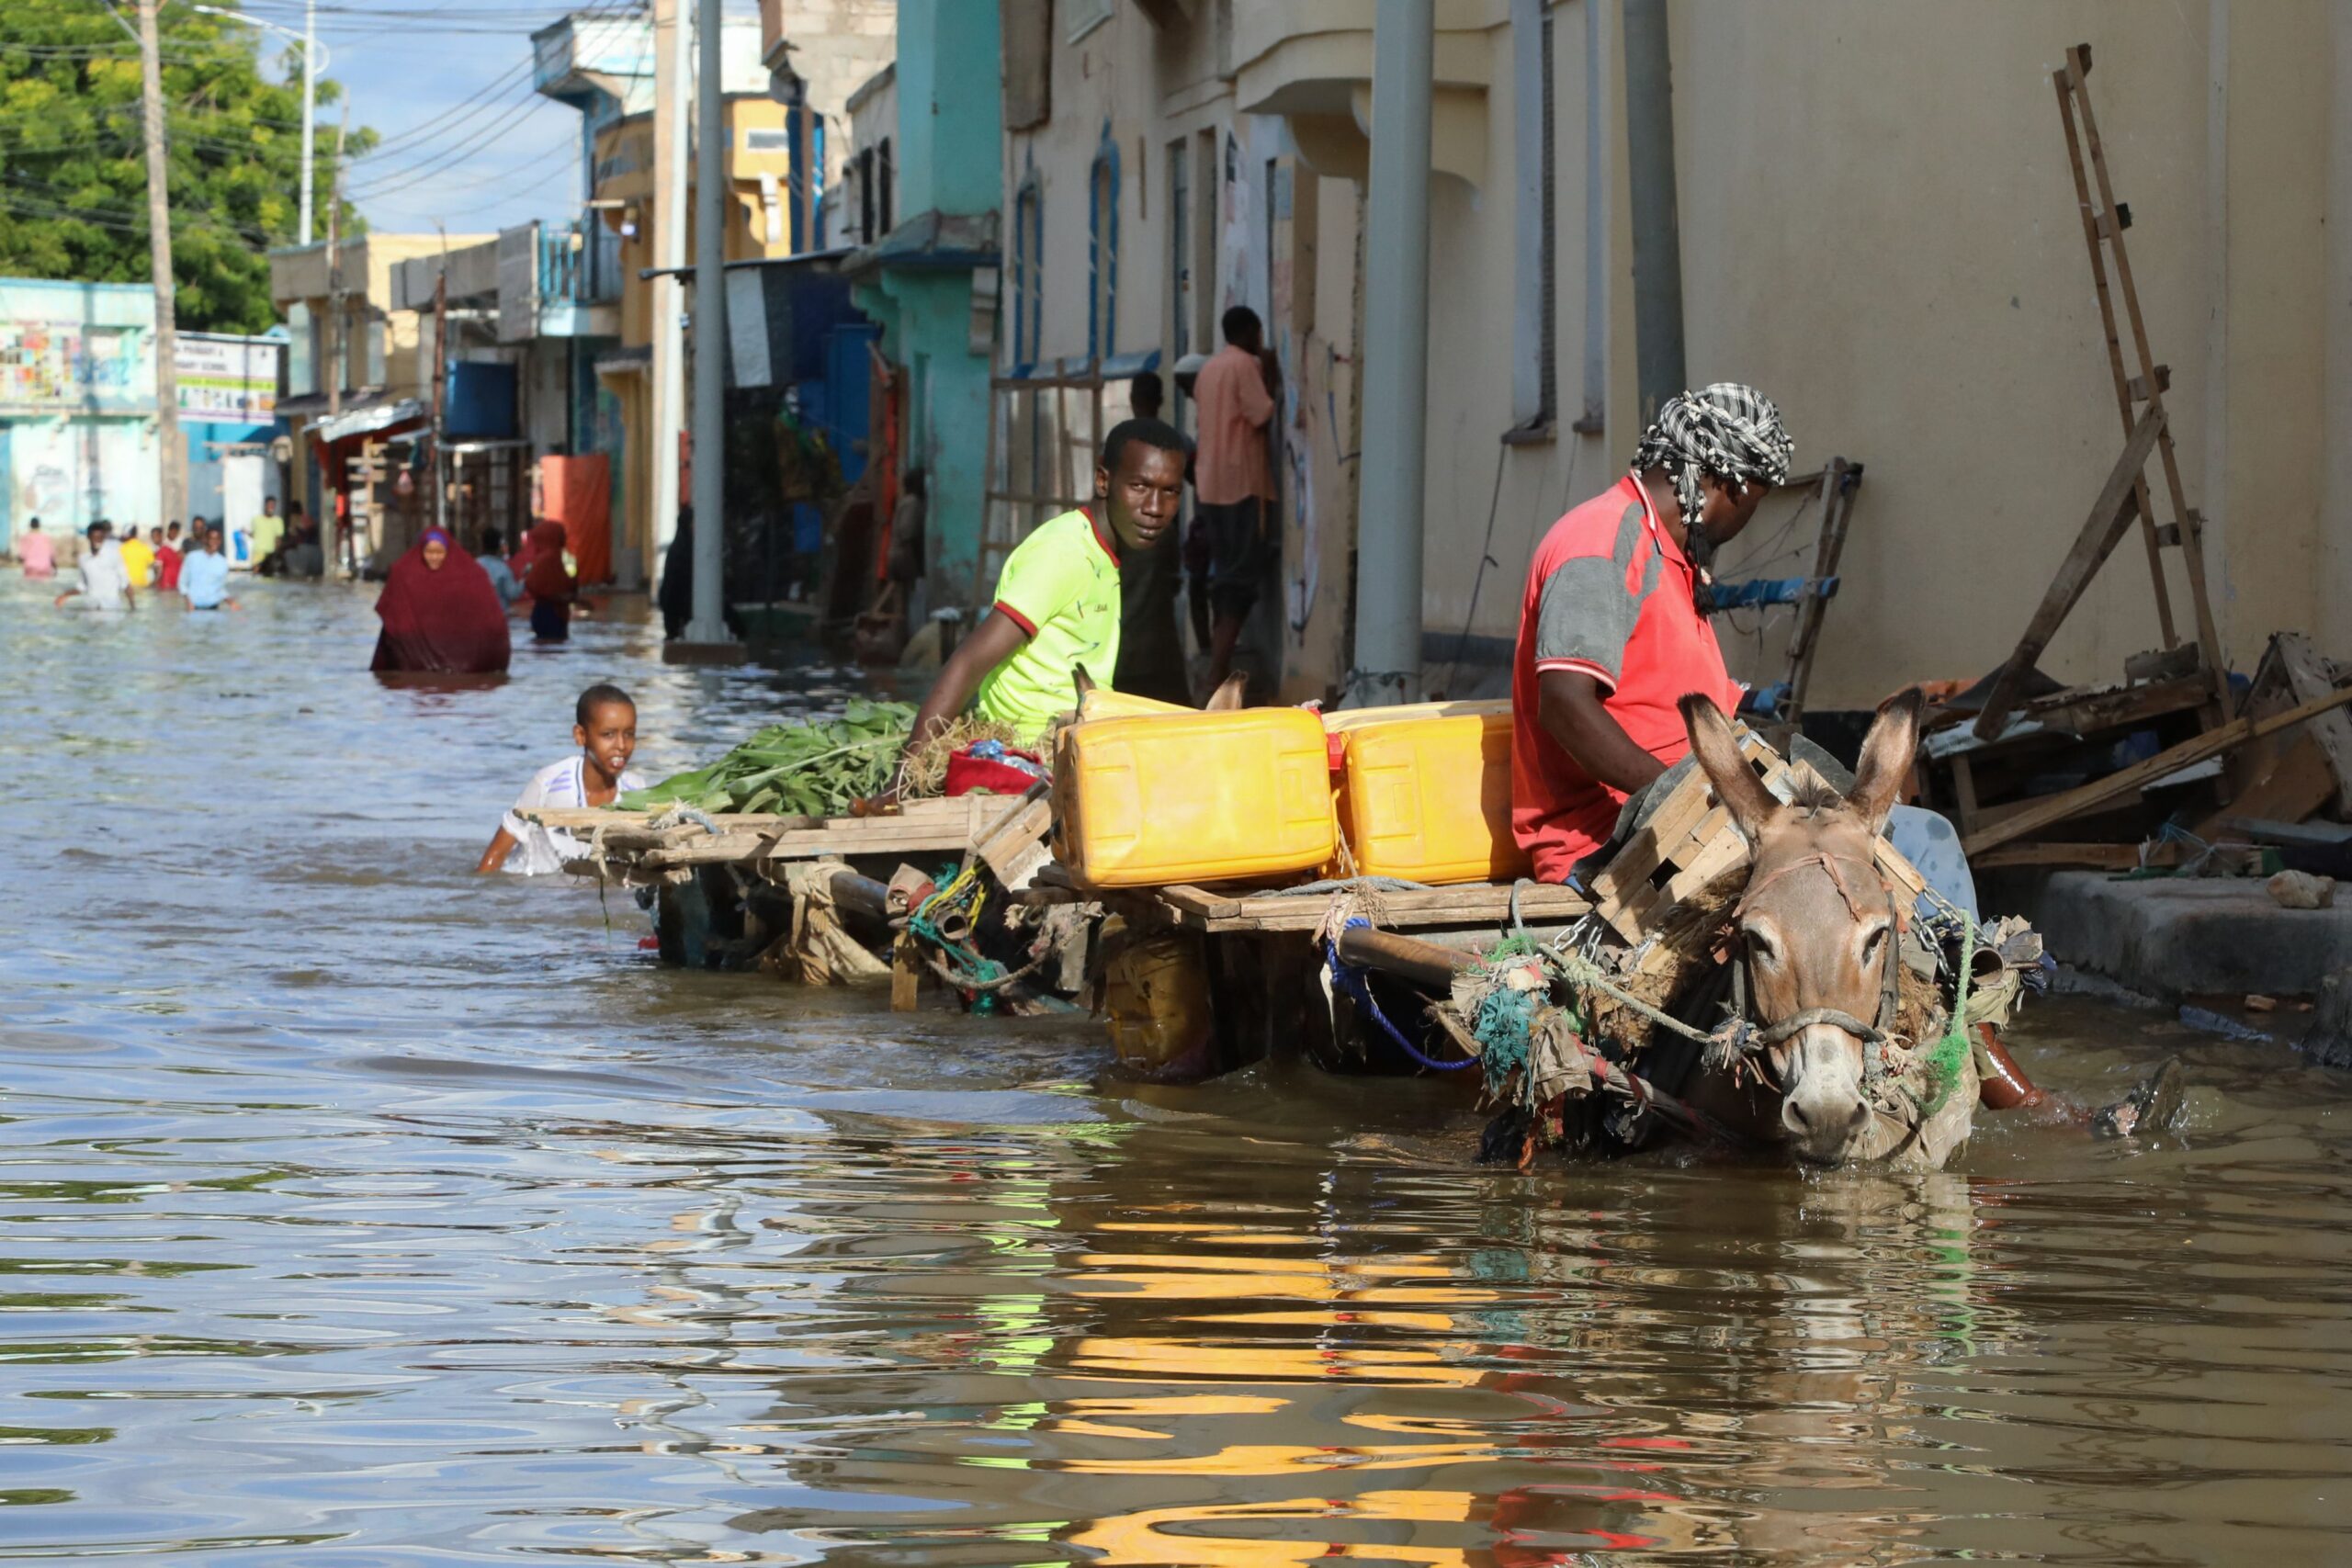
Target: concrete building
{"type": "Point", "coordinates": [861, 205]}
{"type": "Point", "coordinates": [1877, 224]}
{"type": "Point", "coordinates": [766, 145]}
{"type": "Point", "coordinates": [930, 280]}
{"type": "Point", "coordinates": [355, 371]}
{"type": "Point", "coordinates": [819, 54]}
{"type": "Point", "coordinates": [77, 406]}
{"type": "Point", "coordinates": [530, 429]}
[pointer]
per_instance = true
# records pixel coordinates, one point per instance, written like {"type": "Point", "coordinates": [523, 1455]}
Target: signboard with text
{"type": "Point", "coordinates": [229, 379]}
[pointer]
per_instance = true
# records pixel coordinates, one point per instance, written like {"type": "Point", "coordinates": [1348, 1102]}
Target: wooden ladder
{"type": "Point", "coordinates": [1839, 480]}
{"type": "Point", "coordinates": [2138, 400]}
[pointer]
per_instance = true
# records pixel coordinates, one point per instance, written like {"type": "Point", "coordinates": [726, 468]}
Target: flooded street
{"type": "Point", "coordinates": [356, 1205]}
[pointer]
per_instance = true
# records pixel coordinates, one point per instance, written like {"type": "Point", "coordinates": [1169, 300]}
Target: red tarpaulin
{"type": "Point", "coordinates": [578, 494]}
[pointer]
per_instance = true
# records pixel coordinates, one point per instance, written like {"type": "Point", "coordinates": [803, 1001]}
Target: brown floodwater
{"type": "Point", "coordinates": [356, 1209]}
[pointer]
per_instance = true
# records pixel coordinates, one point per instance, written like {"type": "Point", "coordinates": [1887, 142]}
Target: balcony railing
{"type": "Point", "coordinates": [580, 264]}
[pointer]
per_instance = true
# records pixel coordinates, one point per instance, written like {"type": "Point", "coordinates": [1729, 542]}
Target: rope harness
{"type": "Point", "coordinates": [1876, 1038]}
{"type": "Point", "coordinates": [1889, 974]}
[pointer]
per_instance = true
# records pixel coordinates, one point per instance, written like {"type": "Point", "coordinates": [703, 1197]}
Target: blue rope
{"type": "Point", "coordinates": [1352, 982]}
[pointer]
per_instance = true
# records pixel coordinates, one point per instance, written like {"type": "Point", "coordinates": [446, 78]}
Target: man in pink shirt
{"type": "Point", "coordinates": [37, 552]}
{"type": "Point", "coordinates": [1233, 480]}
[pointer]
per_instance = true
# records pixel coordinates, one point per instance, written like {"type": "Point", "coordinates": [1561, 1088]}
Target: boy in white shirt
{"type": "Point", "coordinates": [106, 581]}
{"type": "Point", "coordinates": [604, 728]}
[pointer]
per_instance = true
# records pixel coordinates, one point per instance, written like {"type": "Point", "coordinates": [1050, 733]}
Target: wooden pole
{"type": "Point", "coordinates": [2111, 514]}
{"type": "Point", "coordinates": [159, 259]}
{"type": "Point", "coordinates": [440, 372]}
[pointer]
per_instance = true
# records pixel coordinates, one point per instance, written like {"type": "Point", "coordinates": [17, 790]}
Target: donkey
{"type": "Point", "coordinates": [1819, 931]}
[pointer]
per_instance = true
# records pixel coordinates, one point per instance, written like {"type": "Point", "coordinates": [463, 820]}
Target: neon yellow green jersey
{"type": "Point", "coordinates": [1062, 584]}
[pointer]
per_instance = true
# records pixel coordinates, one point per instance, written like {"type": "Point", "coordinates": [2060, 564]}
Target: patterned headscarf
{"type": "Point", "coordinates": [1727, 429]}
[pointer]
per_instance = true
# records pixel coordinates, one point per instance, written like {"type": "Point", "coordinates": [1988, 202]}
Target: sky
{"type": "Point", "coordinates": [466, 142]}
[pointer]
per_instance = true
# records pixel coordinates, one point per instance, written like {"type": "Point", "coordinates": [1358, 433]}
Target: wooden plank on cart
{"type": "Point", "coordinates": [925, 827]}
{"type": "Point", "coordinates": [1482, 903]}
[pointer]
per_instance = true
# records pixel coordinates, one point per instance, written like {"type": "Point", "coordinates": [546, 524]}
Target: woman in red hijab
{"type": "Point", "coordinates": [549, 583]}
{"type": "Point", "coordinates": [441, 614]}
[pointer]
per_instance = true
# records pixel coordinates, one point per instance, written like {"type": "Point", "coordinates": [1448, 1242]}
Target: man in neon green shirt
{"type": "Point", "coordinates": [267, 529]}
{"type": "Point", "coordinates": [1057, 599]}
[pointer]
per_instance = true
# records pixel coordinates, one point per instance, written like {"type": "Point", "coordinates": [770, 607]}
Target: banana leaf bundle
{"type": "Point", "coordinates": [813, 768]}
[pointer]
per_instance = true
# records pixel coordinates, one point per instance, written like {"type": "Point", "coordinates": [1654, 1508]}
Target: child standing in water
{"type": "Point", "coordinates": [605, 728]}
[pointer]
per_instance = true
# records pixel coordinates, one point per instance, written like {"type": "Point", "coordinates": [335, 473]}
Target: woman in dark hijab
{"type": "Point", "coordinates": [549, 583]}
{"type": "Point", "coordinates": [440, 612]}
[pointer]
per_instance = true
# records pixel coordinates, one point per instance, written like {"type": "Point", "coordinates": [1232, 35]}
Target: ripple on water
{"type": "Point", "coordinates": [349, 1203]}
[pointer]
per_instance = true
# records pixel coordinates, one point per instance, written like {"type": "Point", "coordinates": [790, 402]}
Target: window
{"type": "Point", "coordinates": [885, 179]}
{"type": "Point", "coordinates": [865, 197]}
{"type": "Point", "coordinates": [1028, 268]}
{"type": "Point", "coordinates": [1102, 250]}
{"type": "Point", "coordinates": [1025, 34]}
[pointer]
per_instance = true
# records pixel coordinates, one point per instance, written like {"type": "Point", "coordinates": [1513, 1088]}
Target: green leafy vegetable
{"type": "Point", "coordinates": [810, 769]}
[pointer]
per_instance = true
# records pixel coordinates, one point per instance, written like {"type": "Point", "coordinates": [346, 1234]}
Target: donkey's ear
{"type": "Point", "coordinates": [1737, 786]}
{"type": "Point", "coordinates": [1887, 754]}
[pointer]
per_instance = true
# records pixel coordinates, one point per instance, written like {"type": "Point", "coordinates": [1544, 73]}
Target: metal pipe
{"type": "Point", "coordinates": [1593, 419]}
{"type": "Point", "coordinates": [862, 896]}
{"type": "Point", "coordinates": [1397, 324]}
{"type": "Point", "coordinates": [1408, 958]}
{"type": "Point", "coordinates": [1657, 234]}
{"type": "Point", "coordinates": [709, 622]}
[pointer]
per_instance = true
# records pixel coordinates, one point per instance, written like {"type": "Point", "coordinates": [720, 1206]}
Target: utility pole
{"type": "Point", "coordinates": [336, 354]}
{"type": "Point", "coordinates": [709, 623]}
{"type": "Point", "coordinates": [310, 103]}
{"type": "Point", "coordinates": [159, 255]}
{"type": "Point", "coordinates": [334, 365]}
{"type": "Point", "coordinates": [670, 28]}
{"type": "Point", "coordinates": [440, 376]}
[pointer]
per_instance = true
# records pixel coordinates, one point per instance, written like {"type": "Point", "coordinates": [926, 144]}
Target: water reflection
{"type": "Point", "coordinates": [350, 1203]}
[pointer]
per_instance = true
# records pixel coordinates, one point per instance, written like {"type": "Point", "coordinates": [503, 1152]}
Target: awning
{"type": "Point", "coordinates": [931, 242]}
{"type": "Point", "coordinates": [371, 417]}
{"type": "Point", "coordinates": [634, 361]}
{"type": "Point", "coordinates": [824, 261]}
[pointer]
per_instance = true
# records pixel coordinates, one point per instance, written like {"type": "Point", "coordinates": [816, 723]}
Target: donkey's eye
{"type": "Point", "coordinates": [1873, 942]}
{"type": "Point", "coordinates": [1760, 945]}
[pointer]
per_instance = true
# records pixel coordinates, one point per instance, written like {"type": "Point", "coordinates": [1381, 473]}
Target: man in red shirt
{"type": "Point", "coordinates": [1613, 629]}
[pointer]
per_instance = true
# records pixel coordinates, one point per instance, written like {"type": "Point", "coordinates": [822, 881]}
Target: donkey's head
{"type": "Point", "coordinates": [1816, 922]}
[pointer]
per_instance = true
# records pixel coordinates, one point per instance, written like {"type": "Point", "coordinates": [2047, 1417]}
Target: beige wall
{"type": "Point", "coordinates": [1878, 226]}
{"type": "Point", "coordinates": [1099, 88]}
{"type": "Point", "coordinates": [1899, 261]}
{"type": "Point", "coordinates": [836, 46]}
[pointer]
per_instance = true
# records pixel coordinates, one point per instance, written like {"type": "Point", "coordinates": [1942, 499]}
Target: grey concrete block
{"type": "Point", "coordinates": [2173, 938]}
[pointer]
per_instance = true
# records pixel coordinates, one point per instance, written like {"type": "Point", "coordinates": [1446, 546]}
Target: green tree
{"type": "Point", "coordinates": [73, 164]}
